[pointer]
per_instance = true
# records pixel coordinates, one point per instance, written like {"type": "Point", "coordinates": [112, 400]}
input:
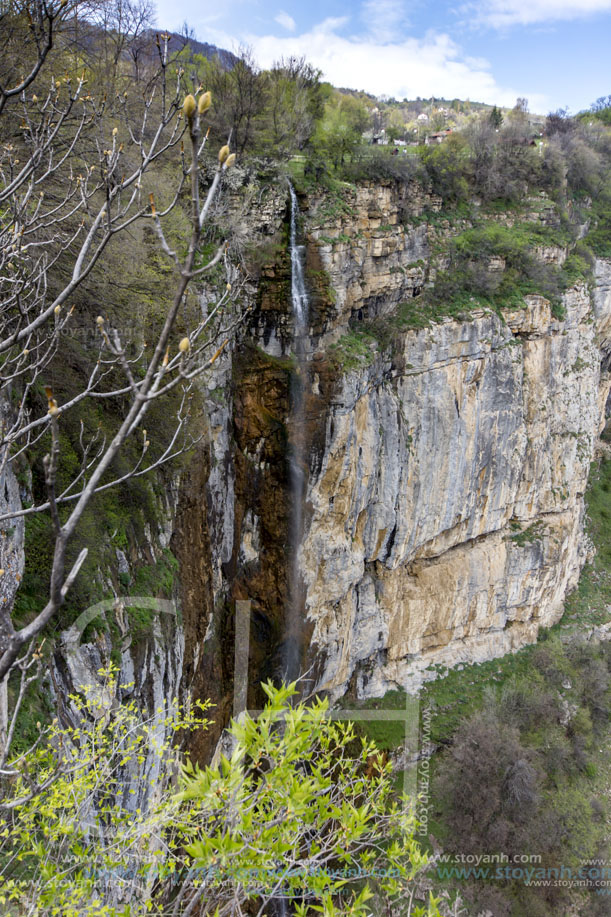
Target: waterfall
{"type": "Point", "coordinates": [299, 296]}
{"type": "Point", "coordinates": [298, 458]}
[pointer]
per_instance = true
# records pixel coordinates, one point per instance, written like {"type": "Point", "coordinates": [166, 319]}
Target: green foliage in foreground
{"type": "Point", "coordinates": [291, 813]}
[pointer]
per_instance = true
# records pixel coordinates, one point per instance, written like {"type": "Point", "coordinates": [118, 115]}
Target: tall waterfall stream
{"type": "Point", "coordinates": [298, 458]}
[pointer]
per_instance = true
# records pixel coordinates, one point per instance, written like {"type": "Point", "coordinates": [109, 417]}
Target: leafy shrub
{"type": "Point", "coordinates": [447, 168]}
{"type": "Point", "coordinates": [522, 273]}
{"type": "Point", "coordinates": [292, 813]}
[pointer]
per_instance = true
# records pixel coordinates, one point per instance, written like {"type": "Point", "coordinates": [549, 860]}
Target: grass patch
{"type": "Point", "coordinates": [589, 603]}
{"type": "Point", "coordinates": [599, 237]}
{"type": "Point", "coordinates": [387, 734]}
{"type": "Point", "coordinates": [354, 350]}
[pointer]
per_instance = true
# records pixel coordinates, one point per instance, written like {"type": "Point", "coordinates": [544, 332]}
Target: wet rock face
{"type": "Point", "coordinates": [259, 569]}
{"type": "Point", "coordinates": [447, 503]}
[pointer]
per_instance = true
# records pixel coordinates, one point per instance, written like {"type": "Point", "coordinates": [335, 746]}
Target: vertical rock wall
{"type": "Point", "coordinates": [444, 516]}
{"type": "Point", "coordinates": [446, 498]}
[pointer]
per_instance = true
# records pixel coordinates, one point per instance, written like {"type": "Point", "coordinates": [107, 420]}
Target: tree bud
{"type": "Point", "coordinates": [204, 103]}
{"type": "Point", "coordinates": [230, 161]}
{"type": "Point", "coordinates": [184, 345]}
{"type": "Point", "coordinates": [189, 106]}
{"type": "Point", "coordinates": [99, 321]}
{"type": "Point", "coordinates": [223, 154]}
{"type": "Point", "coordinates": [57, 309]}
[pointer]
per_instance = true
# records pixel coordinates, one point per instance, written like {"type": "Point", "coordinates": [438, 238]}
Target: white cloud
{"type": "Point", "coordinates": [286, 21]}
{"type": "Point", "coordinates": [409, 67]}
{"type": "Point", "coordinates": [502, 13]}
{"type": "Point", "coordinates": [383, 18]}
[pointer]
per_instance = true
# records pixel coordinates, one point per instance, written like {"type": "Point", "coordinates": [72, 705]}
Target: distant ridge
{"type": "Point", "coordinates": [178, 42]}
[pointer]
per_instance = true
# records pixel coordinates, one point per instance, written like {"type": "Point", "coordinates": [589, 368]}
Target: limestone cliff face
{"type": "Point", "coordinates": [444, 510]}
{"type": "Point", "coordinates": [446, 499]}
{"type": "Point", "coordinates": [371, 257]}
{"type": "Point", "coordinates": [447, 512]}
{"type": "Point", "coordinates": [444, 517]}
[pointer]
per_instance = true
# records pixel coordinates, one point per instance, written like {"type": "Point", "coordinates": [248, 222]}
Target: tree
{"type": "Point", "coordinates": [239, 93]}
{"type": "Point", "coordinates": [521, 106]}
{"type": "Point", "coordinates": [292, 813]}
{"type": "Point", "coordinates": [601, 104]}
{"type": "Point", "coordinates": [77, 172]}
{"type": "Point", "coordinates": [395, 125]}
{"type": "Point", "coordinates": [120, 30]}
{"type": "Point", "coordinates": [484, 778]}
{"type": "Point", "coordinates": [495, 118]}
{"type": "Point", "coordinates": [600, 110]}
{"type": "Point", "coordinates": [68, 840]}
{"type": "Point", "coordinates": [294, 103]}
{"type": "Point", "coordinates": [559, 122]}
{"type": "Point", "coordinates": [446, 165]}
{"type": "Point", "coordinates": [339, 132]}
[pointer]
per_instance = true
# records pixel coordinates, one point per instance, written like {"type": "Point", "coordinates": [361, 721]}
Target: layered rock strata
{"type": "Point", "coordinates": [447, 507]}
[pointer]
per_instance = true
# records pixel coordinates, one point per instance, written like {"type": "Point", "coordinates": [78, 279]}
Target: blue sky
{"type": "Point", "coordinates": [554, 52]}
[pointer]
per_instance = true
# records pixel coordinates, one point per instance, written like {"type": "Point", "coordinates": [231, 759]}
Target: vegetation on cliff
{"type": "Point", "coordinates": [519, 757]}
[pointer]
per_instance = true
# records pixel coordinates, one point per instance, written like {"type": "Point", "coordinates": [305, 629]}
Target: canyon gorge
{"type": "Point", "coordinates": [444, 463]}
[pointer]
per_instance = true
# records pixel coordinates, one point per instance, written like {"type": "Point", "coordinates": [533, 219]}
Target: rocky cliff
{"type": "Point", "coordinates": [447, 460]}
{"type": "Point", "coordinates": [446, 496]}
{"type": "Point", "coordinates": [447, 508]}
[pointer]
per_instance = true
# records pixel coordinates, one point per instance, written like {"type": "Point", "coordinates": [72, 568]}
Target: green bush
{"type": "Point", "coordinates": [292, 813]}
